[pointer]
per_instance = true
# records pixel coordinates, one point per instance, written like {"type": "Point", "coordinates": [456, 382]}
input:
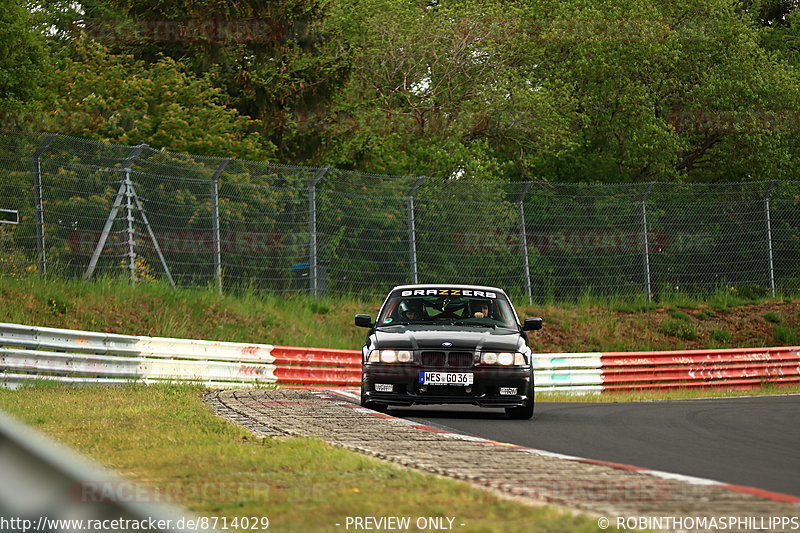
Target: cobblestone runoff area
{"type": "Point", "coordinates": [524, 474]}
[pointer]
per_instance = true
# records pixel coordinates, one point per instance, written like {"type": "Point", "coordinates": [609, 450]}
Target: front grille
{"type": "Point", "coordinates": [459, 359]}
{"type": "Point", "coordinates": [446, 359]}
{"type": "Point", "coordinates": [433, 359]}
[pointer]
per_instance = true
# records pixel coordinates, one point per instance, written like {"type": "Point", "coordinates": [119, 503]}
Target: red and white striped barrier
{"type": "Point", "coordinates": [28, 353]}
{"type": "Point", "coordinates": [737, 368]}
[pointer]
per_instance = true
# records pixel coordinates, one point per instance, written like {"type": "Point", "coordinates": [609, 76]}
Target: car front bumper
{"type": "Point", "coordinates": [484, 391]}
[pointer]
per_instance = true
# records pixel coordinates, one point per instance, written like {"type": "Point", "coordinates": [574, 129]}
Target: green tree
{"type": "Point", "coordinates": [275, 61]}
{"type": "Point", "coordinates": [22, 56]}
{"type": "Point", "coordinates": [573, 90]}
{"type": "Point", "coordinates": [115, 98]}
{"type": "Point", "coordinates": [444, 90]}
{"type": "Point", "coordinates": [562, 91]}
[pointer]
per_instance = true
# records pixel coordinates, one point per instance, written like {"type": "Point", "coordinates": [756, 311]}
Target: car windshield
{"type": "Point", "coordinates": [448, 310]}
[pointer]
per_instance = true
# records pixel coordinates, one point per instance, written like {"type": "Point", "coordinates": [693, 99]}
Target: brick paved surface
{"type": "Point", "coordinates": [528, 475]}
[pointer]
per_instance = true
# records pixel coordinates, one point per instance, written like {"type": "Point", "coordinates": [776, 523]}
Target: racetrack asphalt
{"type": "Point", "coordinates": [751, 441]}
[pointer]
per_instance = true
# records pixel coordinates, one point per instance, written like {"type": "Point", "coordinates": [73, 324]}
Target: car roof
{"type": "Point", "coordinates": [447, 286]}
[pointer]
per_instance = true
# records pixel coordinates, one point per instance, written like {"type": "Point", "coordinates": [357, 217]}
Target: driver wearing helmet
{"type": "Point", "coordinates": [410, 310]}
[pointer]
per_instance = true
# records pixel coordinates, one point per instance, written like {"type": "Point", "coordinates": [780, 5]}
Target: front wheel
{"type": "Point", "coordinates": [525, 411]}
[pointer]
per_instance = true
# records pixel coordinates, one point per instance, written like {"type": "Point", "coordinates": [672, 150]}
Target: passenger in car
{"type": "Point", "coordinates": [480, 309]}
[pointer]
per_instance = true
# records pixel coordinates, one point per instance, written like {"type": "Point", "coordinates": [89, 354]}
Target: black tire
{"type": "Point", "coordinates": [523, 412]}
{"type": "Point", "coordinates": [379, 407]}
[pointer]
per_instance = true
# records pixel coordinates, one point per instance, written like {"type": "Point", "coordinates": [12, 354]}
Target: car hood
{"type": "Point", "coordinates": [468, 338]}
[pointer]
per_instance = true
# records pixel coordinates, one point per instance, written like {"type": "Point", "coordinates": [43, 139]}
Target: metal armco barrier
{"type": "Point", "coordinates": [47, 487]}
{"type": "Point", "coordinates": [743, 368]}
{"type": "Point", "coordinates": [29, 353]}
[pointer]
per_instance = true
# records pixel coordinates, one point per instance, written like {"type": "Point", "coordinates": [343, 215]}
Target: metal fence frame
{"type": "Point", "coordinates": [400, 199]}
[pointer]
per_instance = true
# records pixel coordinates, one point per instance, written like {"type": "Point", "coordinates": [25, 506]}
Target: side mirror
{"type": "Point", "coordinates": [531, 324]}
{"type": "Point", "coordinates": [364, 321]}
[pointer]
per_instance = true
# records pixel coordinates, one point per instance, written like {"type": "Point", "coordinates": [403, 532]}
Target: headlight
{"type": "Point", "coordinates": [504, 358]}
{"type": "Point", "coordinates": [389, 356]}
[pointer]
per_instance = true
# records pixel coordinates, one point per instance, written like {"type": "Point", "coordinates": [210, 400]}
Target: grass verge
{"type": "Point", "coordinates": [166, 437]}
{"type": "Point", "coordinates": [723, 320]}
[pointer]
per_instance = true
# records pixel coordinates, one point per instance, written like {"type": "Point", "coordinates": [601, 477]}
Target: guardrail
{"type": "Point", "coordinates": [30, 353]}
{"type": "Point", "coordinates": [47, 487]}
{"type": "Point", "coordinates": [737, 368]}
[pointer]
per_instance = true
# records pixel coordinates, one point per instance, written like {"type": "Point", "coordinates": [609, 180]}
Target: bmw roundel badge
{"type": "Point", "coordinates": [447, 344]}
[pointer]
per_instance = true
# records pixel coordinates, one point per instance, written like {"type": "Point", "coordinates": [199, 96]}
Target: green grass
{"type": "Point", "coordinates": [679, 328]}
{"type": "Point", "coordinates": [720, 336]}
{"type": "Point", "coordinates": [156, 309]}
{"type": "Point", "coordinates": [705, 315]}
{"type": "Point", "coordinates": [785, 336]}
{"type": "Point", "coordinates": [167, 438]}
{"type": "Point", "coordinates": [677, 314]}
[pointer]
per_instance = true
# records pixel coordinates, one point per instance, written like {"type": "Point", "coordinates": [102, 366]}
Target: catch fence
{"type": "Point", "coordinates": [79, 208]}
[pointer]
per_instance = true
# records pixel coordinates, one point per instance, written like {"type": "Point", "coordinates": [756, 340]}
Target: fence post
{"type": "Point", "coordinates": [129, 209]}
{"type": "Point", "coordinates": [646, 241]}
{"type": "Point", "coordinates": [39, 207]}
{"type": "Point", "coordinates": [412, 234]}
{"type": "Point", "coordinates": [769, 237]}
{"type": "Point", "coordinates": [524, 240]}
{"type": "Point", "coordinates": [125, 189]}
{"type": "Point", "coordinates": [215, 222]}
{"type": "Point", "coordinates": [312, 252]}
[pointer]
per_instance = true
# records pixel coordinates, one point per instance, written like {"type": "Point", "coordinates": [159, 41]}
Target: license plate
{"type": "Point", "coordinates": [445, 378]}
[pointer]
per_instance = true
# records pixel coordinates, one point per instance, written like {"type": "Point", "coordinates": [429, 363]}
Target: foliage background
{"type": "Point", "coordinates": [560, 91]}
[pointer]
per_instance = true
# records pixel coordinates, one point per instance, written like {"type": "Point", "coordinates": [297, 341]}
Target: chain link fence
{"type": "Point", "coordinates": [77, 208]}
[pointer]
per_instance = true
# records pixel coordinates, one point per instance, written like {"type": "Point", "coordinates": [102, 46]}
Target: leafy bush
{"type": "Point", "coordinates": [678, 328]}
{"type": "Point", "coordinates": [752, 291]}
{"type": "Point", "coordinates": [785, 336]}
{"type": "Point", "coordinates": [721, 336]}
{"type": "Point", "coordinates": [677, 314]}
